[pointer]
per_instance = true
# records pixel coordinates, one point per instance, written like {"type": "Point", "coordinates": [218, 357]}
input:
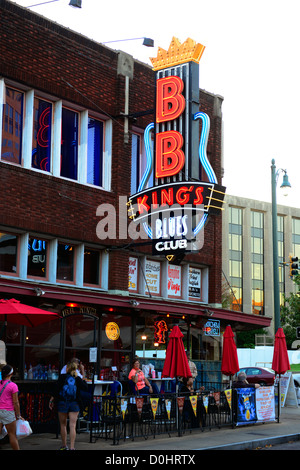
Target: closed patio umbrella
{"type": "Point", "coordinates": [176, 362]}
{"type": "Point", "coordinates": [230, 362]}
{"type": "Point", "coordinates": [280, 363]}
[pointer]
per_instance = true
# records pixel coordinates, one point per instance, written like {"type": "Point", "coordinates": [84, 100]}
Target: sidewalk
{"type": "Point", "coordinates": [238, 438]}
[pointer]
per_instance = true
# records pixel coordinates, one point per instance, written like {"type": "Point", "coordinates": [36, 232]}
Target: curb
{"type": "Point", "coordinates": [252, 445]}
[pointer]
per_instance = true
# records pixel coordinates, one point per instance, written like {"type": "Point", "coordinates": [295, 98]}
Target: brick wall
{"type": "Point", "coordinates": [47, 57]}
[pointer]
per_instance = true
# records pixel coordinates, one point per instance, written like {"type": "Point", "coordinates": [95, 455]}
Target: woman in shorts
{"type": "Point", "coordinates": [9, 406]}
{"type": "Point", "coordinates": [68, 406]}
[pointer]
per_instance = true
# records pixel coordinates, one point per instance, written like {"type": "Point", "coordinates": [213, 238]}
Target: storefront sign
{"type": "Point", "coordinates": [112, 331]}
{"type": "Point", "coordinates": [174, 281]}
{"type": "Point", "coordinates": [79, 310]}
{"type": "Point", "coordinates": [152, 273]}
{"type": "Point", "coordinates": [212, 328]}
{"type": "Point", "coordinates": [194, 283]}
{"type": "Point", "coordinates": [160, 331]}
{"type": "Point", "coordinates": [133, 274]}
{"type": "Point", "coordinates": [174, 211]}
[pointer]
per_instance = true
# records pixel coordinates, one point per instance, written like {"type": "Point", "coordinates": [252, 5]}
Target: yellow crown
{"type": "Point", "coordinates": [178, 54]}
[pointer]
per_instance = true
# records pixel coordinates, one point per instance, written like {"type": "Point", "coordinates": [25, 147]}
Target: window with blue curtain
{"type": "Point", "coordinates": [41, 144]}
{"type": "Point", "coordinates": [69, 144]}
{"type": "Point", "coordinates": [12, 126]}
{"type": "Point", "coordinates": [95, 152]}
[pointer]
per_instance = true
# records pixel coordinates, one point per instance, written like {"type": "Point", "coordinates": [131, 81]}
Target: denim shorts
{"type": "Point", "coordinates": [67, 406]}
{"type": "Point", "coordinates": [7, 416]}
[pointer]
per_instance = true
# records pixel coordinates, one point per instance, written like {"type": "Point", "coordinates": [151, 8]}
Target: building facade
{"type": "Point", "coordinates": [72, 121]}
{"type": "Point", "coordinates": [248, 253]}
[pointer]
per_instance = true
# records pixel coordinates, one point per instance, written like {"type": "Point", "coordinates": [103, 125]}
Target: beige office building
{"type": "Point", "coordinates": [248, 253]}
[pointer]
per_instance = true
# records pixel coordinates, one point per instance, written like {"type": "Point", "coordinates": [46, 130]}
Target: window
{"type": "Point", "coordinates": [8, 252]}
{"type": "Point", "coordinates": [12, 126]}
{"type": "Point", "coordinates": [280, 225]}
{"type": "Point", "coordinates": [42, 351]}
{"type": "Point", "coordinates": [257, 262]}
{"type": "Point", "coordinates": [95, 152]}
{"type": "Point", "coordinates": [41, 142]}
{"type": "Point", "coordinates": [69, 144]}
{"type": "Point", "coordinates": [296, 237]}
{"type": "Point", "coordinates": [139, 162]}
{"type": "Point", "coordinates": [65, 262]}
{"type": "Point", "coordinates": [91, 267]}
{"type": "Point", "coordinates": [236, 256]}
{"type": "Point", "coordinates": [55, 139]}
{"type": "Point", "coordinates": [37, 258]}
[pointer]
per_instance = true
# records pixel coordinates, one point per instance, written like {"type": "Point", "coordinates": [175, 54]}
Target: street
{"type": "Point", "coordinates": [291, 445]}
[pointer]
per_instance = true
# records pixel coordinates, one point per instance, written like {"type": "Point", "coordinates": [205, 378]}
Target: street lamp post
{"type": "Point", "coordinates": [285, 184]}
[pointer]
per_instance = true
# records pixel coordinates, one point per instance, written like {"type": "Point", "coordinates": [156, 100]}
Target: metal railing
{"type": "Point", "coordinates": [130, 417]}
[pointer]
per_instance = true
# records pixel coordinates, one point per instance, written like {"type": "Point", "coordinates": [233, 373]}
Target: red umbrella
{"type": "Point", "coordinates": [15, 312]}
{"type": "Point", "coordinates": [176, 362]}
{"type": "Point", "coordinates": [230, 362]}
{"type": "Point", "coordinates": [281, 361]}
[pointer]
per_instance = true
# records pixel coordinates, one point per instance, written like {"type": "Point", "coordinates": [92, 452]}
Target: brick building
{"type": "Point", "coordinates": [66, 152]}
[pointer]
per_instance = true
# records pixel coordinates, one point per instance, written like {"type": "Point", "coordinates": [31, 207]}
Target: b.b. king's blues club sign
{"type": "Point", "coordinates": [174, 210]}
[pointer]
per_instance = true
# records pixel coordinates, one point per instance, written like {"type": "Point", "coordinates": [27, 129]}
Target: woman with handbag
{"type": "Point", "coordinates": [9, 406]}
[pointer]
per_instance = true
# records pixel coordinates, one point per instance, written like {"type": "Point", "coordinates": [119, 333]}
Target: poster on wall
{"type": "Point", "coordinates": [246, 409]}
{"type": "Point", "coordinates": [194, 283]}
{"type": "Point", "coordinates": [265, 404]}
{"type": "Point", "coordinates": [174, 281]}
{"type": "Point", "coordinates": [152, 273]}
{"type": "Point", "coordinates": [133, 274]}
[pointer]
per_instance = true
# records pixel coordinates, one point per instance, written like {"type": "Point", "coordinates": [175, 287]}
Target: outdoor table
{"type": "Point", "coordinates": [158, 381]}
{"type": "Point", "coordinates": [98, 389]}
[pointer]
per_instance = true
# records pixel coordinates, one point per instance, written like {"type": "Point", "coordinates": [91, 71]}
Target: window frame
{"type": "Point", "coordinates": [29, 96]}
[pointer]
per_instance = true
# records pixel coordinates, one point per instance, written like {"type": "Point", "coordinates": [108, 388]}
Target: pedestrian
{"type": "Point", "coordinates": [242, 382]}
{"type": "Point", "coordinates": [69, 402]}
{"type": "Point", "coordinates": [80, 368]}
{"type": "Point", "coordinates": [9, 405]}
{"type": "Point", "coordinates": [192, 366]}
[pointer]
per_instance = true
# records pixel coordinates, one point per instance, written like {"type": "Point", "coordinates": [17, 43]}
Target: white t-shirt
{"type": "Point", "coordinates": [64, 371]}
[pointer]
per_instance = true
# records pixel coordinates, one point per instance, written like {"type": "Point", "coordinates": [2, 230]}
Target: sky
{"type": "Point", "coordinates": [251, 59]}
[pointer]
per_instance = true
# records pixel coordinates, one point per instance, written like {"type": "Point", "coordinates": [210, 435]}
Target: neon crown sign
{"type": "Point", "coordinates": [174, 210]}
